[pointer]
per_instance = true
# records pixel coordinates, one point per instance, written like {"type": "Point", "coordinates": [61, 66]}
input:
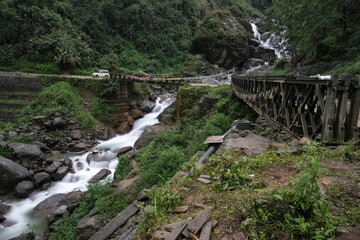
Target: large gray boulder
{"type": "Point", "coordinates": [109, 133]}
{"type": "Point", "coordinates": [60, 173]}
{"type": "Point", "coordinates": [88, 226]}
{"type": "Point", "coordinates": [11, 173]}
{"type": "Point", "coordinates": [23, 189]}
{"type": "Point", "coordinates": [147, 106]}
{"type": "Point", "coordinates": [102, 174]}
{"type": "Point", "coordinates": [149, 135]}
{"type": "Point", "coordinates": [42, 177]}
{"type": "Point", "coordinates": [27, 154]}
{"type": "Point", "coordinates": [49, 205]}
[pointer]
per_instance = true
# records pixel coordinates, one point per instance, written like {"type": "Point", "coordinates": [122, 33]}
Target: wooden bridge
{"type": "Point", "coordinates": [323, 109]}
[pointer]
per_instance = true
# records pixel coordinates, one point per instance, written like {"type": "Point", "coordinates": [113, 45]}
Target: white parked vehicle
{"type": "Point", "coordinates": [101, 73]}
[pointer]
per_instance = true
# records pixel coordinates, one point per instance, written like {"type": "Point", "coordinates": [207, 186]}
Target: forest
{"type": "Point", "coordinates": [161, 36]}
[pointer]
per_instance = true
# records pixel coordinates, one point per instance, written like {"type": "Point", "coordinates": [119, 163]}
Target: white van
{"type": "Point", "coordinates": [101, 73]}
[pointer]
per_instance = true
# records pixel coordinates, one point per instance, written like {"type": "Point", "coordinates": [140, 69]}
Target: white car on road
{"type": "Point", "coordinates": [101, 73]}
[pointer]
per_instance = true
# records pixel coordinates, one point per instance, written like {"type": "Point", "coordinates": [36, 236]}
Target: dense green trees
{"type": "Point", "coordinates": [320, 29]}
{"type": "Point", "coordinates": [127, 35]}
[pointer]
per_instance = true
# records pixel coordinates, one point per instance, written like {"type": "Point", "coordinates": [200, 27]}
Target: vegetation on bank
{"type": "Point", "coordinates": [269, 196]}
{"type": "Point", "coordinates": [168, 153]}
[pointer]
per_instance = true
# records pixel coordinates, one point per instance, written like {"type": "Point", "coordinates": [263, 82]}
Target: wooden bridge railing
{"type": "Point", "coordinates": [323, 109]}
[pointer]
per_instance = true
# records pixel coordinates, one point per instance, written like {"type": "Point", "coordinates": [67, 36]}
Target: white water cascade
{"type": "Point", "coordinates": [21, 209]}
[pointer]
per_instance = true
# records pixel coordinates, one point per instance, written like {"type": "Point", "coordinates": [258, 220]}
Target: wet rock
{"type": "Point", "coordinates": [26, 153]}
{"type": "Point", "coordinates": [130, 120]}
{"type": "Point", "coordinates": [67, 162]}
{"type": "Point", "coordinates": [23, 189]}
{"type": "Point", "coordinates": [123, 127]}
{"type": "Point", "coordinates": [79, 166]}
{"type": "Point", "coordinates": [60, 173]}
{"type": "Point", "coordinates": [54, 167]}
{"type": "Point", "coordinates": [3, 210]}
{"type": "Point", "coordinates": [25, 236]}
{"type": "Point", "coordinates": [95, 156]}
{"type": "Point", "coordinates": [72, 200]}
{"type": "Point", "coordinates": [109, 133]}
{"type": "Point", "coordinates": [136, 114]}
{"type": "Point", "coordinates": [47, 207]}
{"type": "Point", "coordinates": [253, 62]}
{"type": "Point", "coordinates": [11, 173]}
{"type": "Point", "coordinates": [81, 147]}
{"type": "Point", "coordinates": [147, 106]}
{"type": "Point", "coordinates": [124, 150]}
{"type": "Point", "coordinates": [76, 134]}
{"type": "Point", "coordinates": [102, 174]}
{"type": "Point", "coordinates": [41, 177]}
{"type": "Point", "coordinates": [149, 134]}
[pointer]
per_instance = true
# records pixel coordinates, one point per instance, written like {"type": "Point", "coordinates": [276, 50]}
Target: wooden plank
{"type": "Point", "coordinates": [204, 180]}
{"type": "Point", "coordinates": [181, 209]}
{"type": "Point", "coordinates": [175, 234]}
{"type": "Point", "coordinates": [170, 227]}
{"type": "Point", "coordinates": [214, 139]}
{"type": "Point", "coordinates": [328, 115]}
{"type": "Point", "coordinates": [206, 231]}
{"type": "Point", "coordinates": [160, 235]}
{"type": "Point", "coordinates": [198, 222]}
{"type": "Point", "coordinates": [193, 236]}
{"type": "Point", "coordinates": [304, 124]}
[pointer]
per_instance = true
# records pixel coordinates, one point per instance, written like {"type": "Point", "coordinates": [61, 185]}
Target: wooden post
{"type": "Point", "coordinates": [341, 113]}
{"type": "Point", "coordinates": [327, 135]}
{"type": "Point", "coordinates": [354, 110]}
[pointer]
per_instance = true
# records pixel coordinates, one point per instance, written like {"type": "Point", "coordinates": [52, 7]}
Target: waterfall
{"type": "Point", "coordinates": [21, 209]}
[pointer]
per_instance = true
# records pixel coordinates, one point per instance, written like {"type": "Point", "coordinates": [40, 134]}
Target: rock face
{"type": "Point", "coordinates": [223, 39]}
{"type": "Point", "coordinates": [149, 134]}
{"type": "Point", "coordinates": [49, 205]}
{"type": "Point", "coordinates": [109, 133]}
{"type": "Point", "coordinates": [27, 154]}
{"type": "Point", "coordinates": [88, 226]}
{"type": "Point", "coordinates": [10, 174]}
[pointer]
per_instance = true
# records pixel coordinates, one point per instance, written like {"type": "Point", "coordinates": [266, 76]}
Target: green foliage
{"type": "Point", "coordinates": [60, 97]}
{"type": "Point", "coordinates": [328, 29]}
{"type": "Point", "coordinates": [298, 210]}
{"type": "Point", "coordinates": [100, 108]}
{"type": "Point", "coordinates": [6, 152]}
{"type": "Point", "coordinates": [22, 137]}
{"type": "Point", "coordinates": [163, 201]}
{"type": "Point", "coordinates": [127, 36]}
{"type": "Point", "coordinates": [6, 126]}
{"type": "Point", "coordinates": [122, 169]}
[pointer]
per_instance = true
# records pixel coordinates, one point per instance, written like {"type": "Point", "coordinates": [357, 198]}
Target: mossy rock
{"type": "Point", "coordinates": [223, 39]}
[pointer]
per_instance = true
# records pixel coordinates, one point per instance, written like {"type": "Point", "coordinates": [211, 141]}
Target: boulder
{"type": "Point", "coordinates": [23, 189]}
{"type": "Point", "coordinates": [149, 134]}
{"type": "Point", "coordinates": [41, 145]}
{"type": "Point", "coordinates": [41, 177]}
{"type": "Point", "coordinates": [81, 147]}
{"type": "Point", "coordinates": [147, 106]}
{"type": "Point", "coordinates": [26, 153]}
{"type": "Point", "coordinates": [12, 134]}
{"type": "Point", "coordinates": [3, 210]}
{"type": "Point", "coordinates": [136, 114]}
{"type": "Point", "coordinates": [102, 174]}
{"type": "Point", "coordinates": [54, 167]}
{"type": "Point", "coordinates": [123, 127]}
{"type": "Point", "coordinates": [253, 62]}
{"type": "Point", "coordinates": [76, 134]}
{"type": "Point", "coordinates": [109, 133]}
{"type": "Point", "coordinates": [11, 173]}
{"type": "Point", "coordinates": [58, 122]}
{"type": "Point", "coordinates": [60, 173]}
{"type": "Point", "coordinates": [47, 207]}
{"type": "Point", "coordinates": [71, 200]}
{"type": "Point", "coordinates": [124, 150]}
{"type": "Point", "coordinates": [353, 235]}
{"type": "Point", "coordinates": [225, 42]}
{"type": "Point", "coordinates": [252, 144]}
{"type": "Point", "coordinates": [96, 156]}
{"type": "Point", "coordinates": [87, 226]}
{"type": "Point", "coordinates": [130, 120]}
{"type": "Point", "coordinates": [168, 119]}
{"type": "Point", "coordinates": [79, 166]}
{"type": "Point", "coordinates": [67, 162]}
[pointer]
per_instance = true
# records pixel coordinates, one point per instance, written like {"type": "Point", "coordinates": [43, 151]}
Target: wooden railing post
{"type": "Point", "coordinates": [341, 113]}
{"type": "Point", "coordinates": [353, 118]}
{"type": "Point", "coordinates": [328, 117]}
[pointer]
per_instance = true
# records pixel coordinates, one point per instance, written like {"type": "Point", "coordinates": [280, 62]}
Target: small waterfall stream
{"type": "Point", "coordinates": [20, 211]}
